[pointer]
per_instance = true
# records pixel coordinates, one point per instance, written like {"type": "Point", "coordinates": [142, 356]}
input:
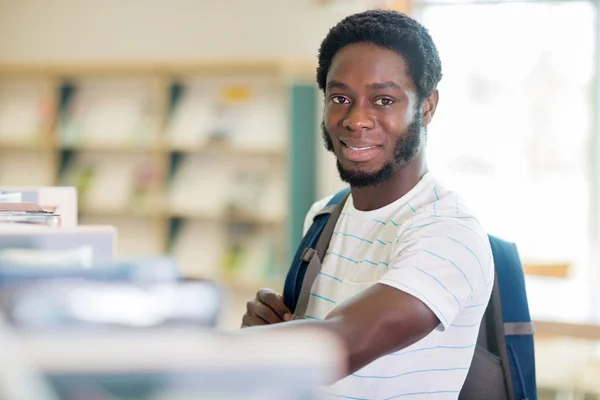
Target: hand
{"type": "Point", "coordinates": [267, 308]}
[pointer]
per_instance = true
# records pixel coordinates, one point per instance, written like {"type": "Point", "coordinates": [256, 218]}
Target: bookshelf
{"type": "Point", "coordinates": [211, 162]}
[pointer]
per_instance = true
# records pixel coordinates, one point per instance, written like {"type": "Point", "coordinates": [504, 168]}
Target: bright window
{"type": "Point", "coordinates": [514, 123]}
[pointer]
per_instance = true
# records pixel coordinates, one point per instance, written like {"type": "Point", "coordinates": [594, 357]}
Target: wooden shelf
{"type": "Point", "coordinates": [154, 68]}
{"type": "Point", "coordinates": [554, 270]}
{"type": "Point", "coordinates": [192, 215]}
{"type": "Point", "coordinates": [151, 157]}
{"type": "Point", "coordinates": [21, 146]}
{"type": "Point", "coordinates": [251, 219]}
{"type": "Point", "coordinates": [107, 148]}
{"type": "Point", "coordinates": [227, 150]}
{"type": "Point", "coordinates": [116, 212]}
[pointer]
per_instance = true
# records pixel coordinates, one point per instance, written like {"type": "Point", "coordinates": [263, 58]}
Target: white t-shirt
{"type": "Point", "coordinates": [429, 245]}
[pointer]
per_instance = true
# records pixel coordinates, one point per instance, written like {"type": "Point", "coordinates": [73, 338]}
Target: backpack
{"type": "Point", "coordinates": [503, 366]}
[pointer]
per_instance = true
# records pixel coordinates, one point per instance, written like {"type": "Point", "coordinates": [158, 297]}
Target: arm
{"type": "Point", "coordinates": [432, 278]}
{"type": "Point", "coordinates": [380, 321]}
{"type": "Point", "coordinates": [377, 322]}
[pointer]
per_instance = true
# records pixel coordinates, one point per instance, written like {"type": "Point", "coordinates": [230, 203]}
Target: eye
{"type": "Point", "coordinates": [340, 100]}
{"type": "Point", "coordinates": [384, 102]}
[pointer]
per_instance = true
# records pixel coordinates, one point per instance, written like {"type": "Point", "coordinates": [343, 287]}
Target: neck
{"type": "Point", "coordinates": [401, 182]}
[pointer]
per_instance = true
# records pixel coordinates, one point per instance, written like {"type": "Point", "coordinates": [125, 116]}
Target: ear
{"type": "Point", "coordinates": [429, 107]}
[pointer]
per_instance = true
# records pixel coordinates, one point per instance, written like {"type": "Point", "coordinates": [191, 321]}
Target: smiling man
{"type": "Point", "coordinates": [409, 270]}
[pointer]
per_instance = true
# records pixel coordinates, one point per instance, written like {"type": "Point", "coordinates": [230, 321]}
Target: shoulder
{"type": "Point", "coordinates": [449, 231]}
{"type": "Point", "coordinates": [445, 215]}
{"type": "Point", "coordinates": [314, 209]}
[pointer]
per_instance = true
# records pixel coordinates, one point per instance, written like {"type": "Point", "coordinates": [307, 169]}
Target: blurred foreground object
{"type": "Point", "coordinates": [28, 213]}
{"type": "Point", "coordinates": [173, 364]}
{"type": "Point", "coordinates": [71, 303]}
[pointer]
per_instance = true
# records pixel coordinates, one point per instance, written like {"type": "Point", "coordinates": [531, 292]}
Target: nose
{"type": "Point", "coordinates": [358, 118]}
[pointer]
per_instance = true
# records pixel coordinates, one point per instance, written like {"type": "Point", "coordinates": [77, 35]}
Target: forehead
{"type": "Point", "coordinates": [360, 64]}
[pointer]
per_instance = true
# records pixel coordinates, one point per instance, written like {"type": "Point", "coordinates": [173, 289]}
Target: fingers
{"type": "Point", "coordinates": [252, 320]}
{"type": "Point", "coordinates": [267, 308]}
{"type": "Point", "coordinates": [263, 312]}
{"type": "Point", "coordinates": [275, 302]}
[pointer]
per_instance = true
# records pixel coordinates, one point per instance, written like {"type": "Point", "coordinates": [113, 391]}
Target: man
{"type": "Point", "coordinates": [409, 270]}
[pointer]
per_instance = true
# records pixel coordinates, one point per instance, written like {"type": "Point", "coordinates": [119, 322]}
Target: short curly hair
{"type": "Point", "coordinates": [392, 30]}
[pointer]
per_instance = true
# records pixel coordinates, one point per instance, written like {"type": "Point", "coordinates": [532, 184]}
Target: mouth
{"type": "Point", "coordinates": [356, 151]}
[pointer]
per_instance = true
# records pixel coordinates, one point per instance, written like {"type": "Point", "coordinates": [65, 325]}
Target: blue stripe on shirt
{"type": "Point", "coordinates": [441, 221]}
{"type": "Point", "coordinates": [339, 396]}
{"type": "Point", "coordinates": [441, 284]}
{"type": "Point", "coordinates": [323, 298]}
{"type": "Point", "coordinates": [466, 326]}
{"type": "Point", "coordinates": [472, 252]}
{"type": "Point", "coordinates": [330, 276]}
{"type": "Point", "coordinates": [422, 393]}
{"type": "Point", "coordinates": [368, 262]}
{"type": "Point", "coordinates": [419, 371]}
{"type": "Point", "coordinates": [403, 352]}
{"type": "Point", "coordinates": [451, 262]}
{"type": "Point", "coordinates": [353, 236]}
{"type": "Point", "coordinates": [477, 305]}
{"type": "Point", "coordinates": [341, 256]}
{"type": "Point", "coordinates": [463, 245]}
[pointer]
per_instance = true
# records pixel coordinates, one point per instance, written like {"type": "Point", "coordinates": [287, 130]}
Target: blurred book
{"type": "Point", "coordinates": [239, 112]}
{"type": "Point", "coordinates": [108, 112]}
{"type": "Point", "coordinates": [10, 197]}
{"type": "Point", "coordinates": [81, 257]}
{"type": "Point", "coordinates": [253, 187]}
{"type": "Point", "coordinates": [115, 183]}
{"type": "Point", "coordinates": [59, 200]}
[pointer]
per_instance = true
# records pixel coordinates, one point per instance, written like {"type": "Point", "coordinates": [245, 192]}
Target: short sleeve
{"type": "Point", "coordinates": [444, 263]}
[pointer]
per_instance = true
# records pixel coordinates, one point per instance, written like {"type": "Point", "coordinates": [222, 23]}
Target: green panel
{"type": "Point", "coordinates": [302, 165]}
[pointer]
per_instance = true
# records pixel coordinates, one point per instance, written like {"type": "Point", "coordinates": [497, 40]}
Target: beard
{"type": "Point", "coordinates": [406, 148]}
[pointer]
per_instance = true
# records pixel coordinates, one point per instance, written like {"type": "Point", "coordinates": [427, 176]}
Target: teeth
{"type": "Point", "coordinates": [361, 148]}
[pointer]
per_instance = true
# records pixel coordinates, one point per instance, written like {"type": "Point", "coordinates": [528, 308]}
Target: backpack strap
{"type": "Point", "coordinates": [496, 340]}
{"type": "Point", "coordinates": [311, 252]}
{"type": "Point", "coordinates": [517, 328]}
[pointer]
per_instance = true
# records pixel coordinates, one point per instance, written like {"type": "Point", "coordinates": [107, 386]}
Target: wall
{"type": "Point", "coordinates": [97, 30]}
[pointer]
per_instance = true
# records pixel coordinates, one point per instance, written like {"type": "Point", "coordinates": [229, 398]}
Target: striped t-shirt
{"type": "Point", "coordinates": [429, 245]}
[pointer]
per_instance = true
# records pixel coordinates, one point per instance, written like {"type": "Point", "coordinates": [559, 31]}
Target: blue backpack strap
{"type": "Point", "coordinates": [518, 326]}
{"type": "Point", "coordinates": [295, 275]}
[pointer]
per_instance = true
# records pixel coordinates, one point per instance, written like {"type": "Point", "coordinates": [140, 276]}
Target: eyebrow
{"type": "Point", "coordinates": [338, 85]}
{"type": "Point", "coordinates": [371, 86]}
{"type": "Point", "coordinates": [384, 85]}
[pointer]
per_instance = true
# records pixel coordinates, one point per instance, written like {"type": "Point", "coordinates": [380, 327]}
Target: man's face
{"type": "Point", "coordinates": [372, 121]}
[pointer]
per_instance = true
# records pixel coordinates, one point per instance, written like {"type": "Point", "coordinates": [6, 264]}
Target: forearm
{"type": "Point", "coordinates": [327, 325]}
